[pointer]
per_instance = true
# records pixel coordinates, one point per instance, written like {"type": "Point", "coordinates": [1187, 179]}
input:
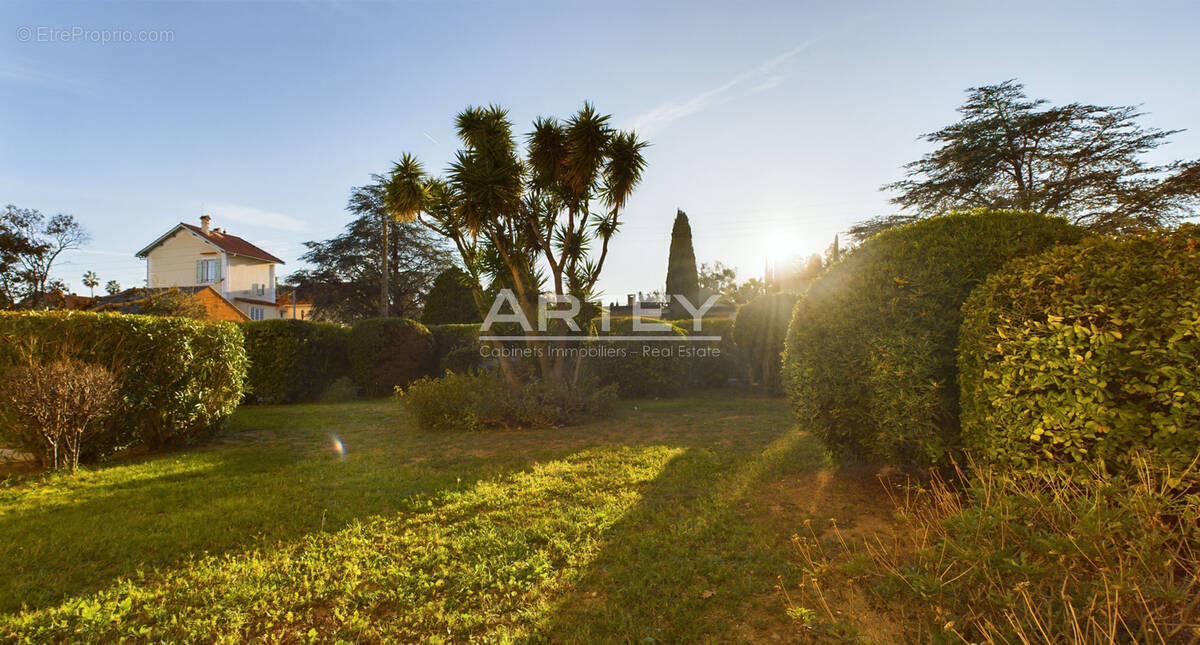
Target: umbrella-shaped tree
{"type": "Point", "coordinates": [534, 222]}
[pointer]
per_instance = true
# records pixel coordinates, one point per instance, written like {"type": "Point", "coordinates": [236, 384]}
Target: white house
{"type": "Point", "coordinates": [193, 256]}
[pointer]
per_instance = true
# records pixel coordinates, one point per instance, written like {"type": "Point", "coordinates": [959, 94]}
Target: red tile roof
{"type": "Point", "coordinates": [233, 244]}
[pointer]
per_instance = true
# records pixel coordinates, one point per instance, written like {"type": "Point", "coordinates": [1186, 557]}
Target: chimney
{"type": "Point", "coordinates": [204, 220]}
{"type": "Point", "coordinates": [629, 298]}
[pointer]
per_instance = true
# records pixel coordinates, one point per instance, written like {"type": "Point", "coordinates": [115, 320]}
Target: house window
{"type": "Point", "coordinates": [256, 313]}
{"type": "Point", "coordinates": [207, 271]}
{"type": "Point", "coordinates": [258, 289]}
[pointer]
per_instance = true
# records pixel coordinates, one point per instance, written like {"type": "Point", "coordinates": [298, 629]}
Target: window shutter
{"type": "Point", "coordinates": [199, 271]}
{"type": "Point", "coordinates": [217, 270]}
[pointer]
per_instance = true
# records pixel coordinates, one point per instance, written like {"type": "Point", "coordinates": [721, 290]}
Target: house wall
{"type": "Point", "coordinates": [270, 311]}
{"type": "Point", "coordinates": [244, 273]}
{"type": "Point", "coordinates": [173, 263]}
{"type": "Point", "coordinates": [303, 311]}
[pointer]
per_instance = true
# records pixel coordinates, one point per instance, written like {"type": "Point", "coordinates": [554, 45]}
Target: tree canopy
{"type": "Point", "coordinates": [534, 222]}
{"type": "Point", "coordinates": [1085, 162]}
{"type": "Point", "coordinates": [451, 299]}
{"type": "Point", "coordinates": [30, 243]}
{"type": "Point", "coordinates": [682, 277]}
{"type": "Point", "coordinates": [345, 281]}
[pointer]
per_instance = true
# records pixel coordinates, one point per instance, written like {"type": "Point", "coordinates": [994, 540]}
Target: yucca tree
{"type": "Point", "coordinates": [536, 222]}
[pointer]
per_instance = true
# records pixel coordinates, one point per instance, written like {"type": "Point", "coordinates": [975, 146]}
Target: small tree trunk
{"type": "Point", "coordinates": [385, 274]}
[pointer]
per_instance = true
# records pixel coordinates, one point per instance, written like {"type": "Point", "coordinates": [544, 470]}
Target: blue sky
{"type": "Point", "coordinates": [773, 125]}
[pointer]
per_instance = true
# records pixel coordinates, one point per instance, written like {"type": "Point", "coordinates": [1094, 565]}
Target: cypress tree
{"type": "Point", "coordinates": [450, 300]}
{"type": "Point", "coordinates": [682, 279]}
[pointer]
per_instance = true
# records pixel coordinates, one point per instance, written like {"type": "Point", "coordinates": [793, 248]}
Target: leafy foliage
{"type": "Point", "coordinates": [345, 281]}
{"type": "Point", "coordinates": [712, 364]}
{"type": "Point", "coordinates": [1004, 557]}
{"type": "Point", "coordinates": [292, 361]}
{"type": "Point", "coordinates": [760, 331]}
{"type": "Point", "coordinates": [30, 243]}
{"type": "Point", "coordinates": [1076, 160]}
{"type": "Point", "coordinates": [682, 277]}
{"type": "Point", "coordinates": [157, 302]}
{"type": "Point", "coordinates": [874, 339]}
{"type": "Point", "coordinates": [451, 300]}
{"type": "Point", "coordinates": [527, 224]}
{"type": "Point", "coordinates": [177, 378]}
{"type": "Point", "coordinates": [55, 410]}
{"type": "Point", "coordinates": [637, 369]}
{"type": "Point", "coordinates": [386, 353]}
{"type": "Point", "coordinates": [1086, 353]}
{"type": "Point", "coordinates": [482, 401]}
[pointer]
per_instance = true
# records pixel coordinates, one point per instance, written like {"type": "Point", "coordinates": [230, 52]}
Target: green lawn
{"type": "Point", "coordinates": [668, 523]}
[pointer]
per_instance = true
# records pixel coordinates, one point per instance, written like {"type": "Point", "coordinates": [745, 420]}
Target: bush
{"type": "Point", "coordinates": [462, 360]}
{"type": "Point", "coordinates": [1087, 353]}
{"type": "Point", "coordinates": [1016, 558]}
{"type": "Point", "coordinates": [894, 304]}
{"type": "Point", "coordinates": [481, 401]}
{"type": "Point", "coordinates": [447, 338]}
{"type": "Point", "coordinates": [759, 332]}
{"type": "Point", "coordinates": [386, 353]}
{"type": "Point", "coordinates": [450, 300]}
{"type": "Point", "coordinates": [176, 377]}
{"type": "Point", "coordinates": [55, 411]}
{"type": "Point", "coordinates": [341, 390]}
{"type": "Point", "coordinates": [293, 361]}
{"type": "Point", "coordinates": [718, 363]}
{"type": "Point", "coordinates": [636, 373]}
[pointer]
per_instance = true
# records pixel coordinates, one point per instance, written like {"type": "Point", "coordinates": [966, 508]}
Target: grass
{"type": "Point", "coordinates": [671, 522]}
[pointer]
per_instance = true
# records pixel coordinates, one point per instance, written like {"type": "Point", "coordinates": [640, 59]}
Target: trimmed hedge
{"type": "Point", "coordinates": [386, 353]}
{"type": "Point", "coordinates": [177, 378]}
{"type": "Point", "coordinates": [759, 332]}
{"type": "Point", "coordinates": [1086, 353]}
{"type": "Point", "coordinates": [624, 364]}
{"type": "Point", "coordinates": [450, 338]}
{"type": "Point", "coordinates": [870, 357]}
{"type": "Point", "coordinates": [293, 361]}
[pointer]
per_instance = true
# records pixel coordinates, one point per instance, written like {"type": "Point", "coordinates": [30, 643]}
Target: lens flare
{"type": "Point", "coordinates": [338, 447]}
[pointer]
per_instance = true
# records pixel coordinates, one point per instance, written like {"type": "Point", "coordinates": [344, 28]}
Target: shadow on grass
{"type": "Point", "coordinates": [700, 556]}
{"type": "Point", "coordinates": [73, 537]}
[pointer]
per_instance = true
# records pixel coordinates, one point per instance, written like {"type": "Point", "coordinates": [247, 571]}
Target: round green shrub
{"type": "Point", "coordinates": [293, 361]}
{"type": "Point", "coordinates": [637, 369]}
{"type": "Point", "coordinates": [870, 357]}
{"type": "Point", "coordinates": [176, 377]}
{"type": "Point", "coordinates": [450, 300]}
{"type": "Point", "coordinates": [1086, 353]}
{"type": "Point", "coordinates": [461, 360]}
{"type": "Point", "coordinates": [760, 331]}
{"type": "Point", "coordinates": [386, 353]}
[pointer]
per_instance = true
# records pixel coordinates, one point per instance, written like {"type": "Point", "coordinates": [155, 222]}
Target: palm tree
{"type": "Point", "coordinates": [507, 214]}
{"type": "Point", "coordinates": [90, 280]}
{"type": "Point", "coordinates": [113, 287]}
{"type": "Point", "coordinates": [403, 196]}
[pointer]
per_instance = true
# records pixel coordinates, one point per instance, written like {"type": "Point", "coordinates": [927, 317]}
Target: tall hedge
{"type": "Point", "coordinates": [715, 363]}
{"type": "Point", "coordinates": [177, 377]}
{"type": "Point", "coordinates": [870, 356]}
{"type": "Point", "coordinates": [389, 352]}
{"type": "Point", "coordinates": [1085, 353]}
{"type": "Point", "coordinates": [760, 331]}
{"type": "Point", "coordinates": [292, 361]}
{"type": "Point", "coordinates": [638, 369]}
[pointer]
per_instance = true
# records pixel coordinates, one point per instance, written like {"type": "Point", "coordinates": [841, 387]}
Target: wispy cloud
{"type": "Point", "coordinates": [761, 77]}
{"type": "Point", "coordinates": [254, 217]}
{"type": "Point", "coordinates": [28, 73]}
